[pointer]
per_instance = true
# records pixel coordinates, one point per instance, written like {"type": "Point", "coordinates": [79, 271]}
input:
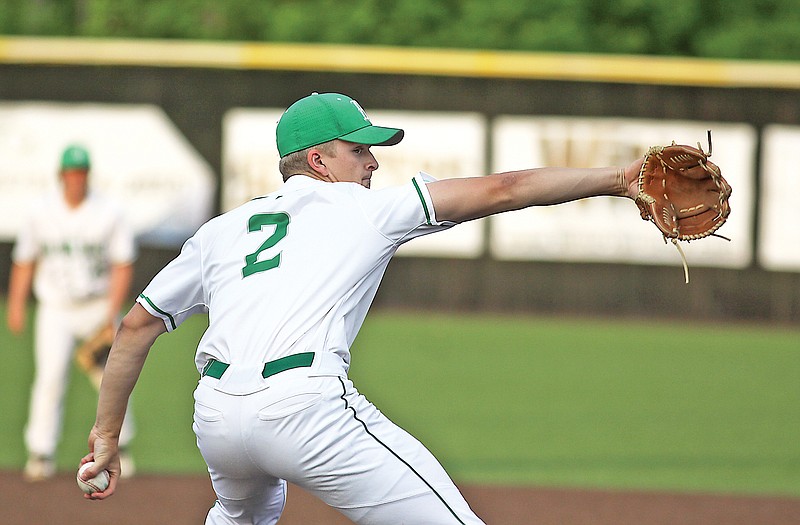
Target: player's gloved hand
{"type": "Point", "coordinates": [683, 193]}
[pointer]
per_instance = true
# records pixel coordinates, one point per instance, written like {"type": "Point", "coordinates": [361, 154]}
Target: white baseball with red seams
{"type": "Point", "coordinates": [98, 483]}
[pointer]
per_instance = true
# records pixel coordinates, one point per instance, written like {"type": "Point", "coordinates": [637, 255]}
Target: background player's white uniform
{"type": "Point", "coordinates": [73, 250]}
{"type": "Point", "coordinates": [293, 274]}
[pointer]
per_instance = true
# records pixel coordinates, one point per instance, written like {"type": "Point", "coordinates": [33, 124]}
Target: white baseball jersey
{"type": "Point", "coordinates": [288, 275]}
{"type": "Point", "coordinates": [73, 248]}
{"type": "Point", "coordinates": [293, 271]}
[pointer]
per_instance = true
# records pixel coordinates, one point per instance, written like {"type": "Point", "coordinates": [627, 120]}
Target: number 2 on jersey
{"type": "Point", "coordinates": [256, 223]}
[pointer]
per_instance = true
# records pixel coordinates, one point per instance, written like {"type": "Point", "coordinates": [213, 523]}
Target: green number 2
{"type": "Point", "coordinates": [256, 223]}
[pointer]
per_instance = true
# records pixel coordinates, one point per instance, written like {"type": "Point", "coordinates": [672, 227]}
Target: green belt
{"type": "Point", "coordinates": [216, 368]}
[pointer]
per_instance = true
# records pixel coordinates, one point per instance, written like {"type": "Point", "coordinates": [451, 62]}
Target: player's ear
{"type": "Point", "coordinates": [315, 161]}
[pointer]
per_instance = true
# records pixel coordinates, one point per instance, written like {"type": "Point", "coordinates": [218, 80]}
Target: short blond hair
{"type": "Point", "coordinates": [297, 162]}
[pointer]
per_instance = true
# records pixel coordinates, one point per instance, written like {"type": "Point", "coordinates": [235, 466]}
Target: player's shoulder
{"type": "Point", "coordinates": [45, 205]}
{"type": "Point", "coordinates": [224, 220]}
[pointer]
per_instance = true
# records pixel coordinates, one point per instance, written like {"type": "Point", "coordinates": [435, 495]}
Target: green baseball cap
{"type": "Point", "coordinates": [75, 157]}
{"type": "Point", "coordinates": [321, 117]}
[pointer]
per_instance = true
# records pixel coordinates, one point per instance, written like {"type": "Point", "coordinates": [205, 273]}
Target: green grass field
{"type": "Point", "coordinates": [514, 400]}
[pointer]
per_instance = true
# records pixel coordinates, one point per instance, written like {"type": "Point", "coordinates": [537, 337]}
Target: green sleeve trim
{"type": "Point", "coordinates": [159, 310]}
{"type": "Point", "coordinates": [422, 199]}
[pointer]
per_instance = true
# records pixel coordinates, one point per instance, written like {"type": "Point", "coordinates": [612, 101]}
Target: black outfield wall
{"type": "Point", "coordinates": [197, 98]}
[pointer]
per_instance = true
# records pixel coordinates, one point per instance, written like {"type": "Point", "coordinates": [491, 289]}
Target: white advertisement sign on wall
{"type": "Point", "coordinates": [443, 145]}
{"type": "Point", "coordinates": [249, 155]}
{"type": "Point", "coordinates": [139, 159]}
{"type": "Point", "coordinates": [779, 246]}
{"type": "Point", "coordinates": [610, 229]}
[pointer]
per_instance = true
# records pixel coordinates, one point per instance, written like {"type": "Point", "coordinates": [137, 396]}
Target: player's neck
{"type": "Point", "coordinates": [74, 200]}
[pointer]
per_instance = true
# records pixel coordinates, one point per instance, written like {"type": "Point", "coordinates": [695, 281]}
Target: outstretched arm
{"type": "Point", "coordinates": [465, 199]}
{"type": "Point", "coordinates": [136, 335]}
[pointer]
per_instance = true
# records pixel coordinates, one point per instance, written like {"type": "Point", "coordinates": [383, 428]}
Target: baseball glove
{"type": "Point", "coordinates": [92, 354]}
{"type": "Point", "coordinates": [683, 193]}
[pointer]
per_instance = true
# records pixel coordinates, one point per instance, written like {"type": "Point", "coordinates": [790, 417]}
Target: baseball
{"type": "Point", "coordinates": [98, 483]}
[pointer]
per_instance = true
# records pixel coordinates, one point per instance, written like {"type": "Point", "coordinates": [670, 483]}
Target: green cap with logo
{"type": "Point", "coordinates": [321, 117]}
{"type": "Point", "coordinates": [75, 158]}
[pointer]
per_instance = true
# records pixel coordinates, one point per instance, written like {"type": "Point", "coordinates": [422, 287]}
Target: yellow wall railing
{"type": "Point", "coordinates": [406, 61]}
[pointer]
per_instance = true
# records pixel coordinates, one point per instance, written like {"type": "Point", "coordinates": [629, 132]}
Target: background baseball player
{"type": "Point", "coordinates": [287, 280]}
{"type": "Point", "coordinates": [76, 252]}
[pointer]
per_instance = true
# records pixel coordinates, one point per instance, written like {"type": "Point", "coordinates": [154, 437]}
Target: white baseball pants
{"type": "Point", "coordinates": [322, 435]}
{"type": "Point", "coordinates": [57, 331]}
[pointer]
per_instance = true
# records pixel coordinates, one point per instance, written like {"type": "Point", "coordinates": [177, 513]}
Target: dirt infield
{"type": "Point", "coordinates": [179, 500]}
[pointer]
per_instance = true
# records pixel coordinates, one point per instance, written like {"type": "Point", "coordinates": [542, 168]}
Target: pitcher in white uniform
{"type": "Point", "coordinates": [77, 253]}
{"type": "Point", "coordinates": [287, 280]}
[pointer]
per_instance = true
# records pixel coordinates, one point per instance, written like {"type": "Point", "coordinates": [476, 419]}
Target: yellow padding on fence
{"type": "Point", "coordinates": [402, 61]}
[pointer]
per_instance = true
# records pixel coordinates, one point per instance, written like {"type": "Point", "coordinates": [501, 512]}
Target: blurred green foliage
{"type": "Point", "coordinates": [744, 29]}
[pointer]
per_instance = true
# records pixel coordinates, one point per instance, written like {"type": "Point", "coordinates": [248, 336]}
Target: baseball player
{"type": "Point", "coordinates": [76, 253]}
{"type": "Point", "coordinates": [287, 280]}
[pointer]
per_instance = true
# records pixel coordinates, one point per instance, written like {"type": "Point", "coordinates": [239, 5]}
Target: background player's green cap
{"type": "Point", "coordinates": [75, 157]}
{"type": "Point", "coordinates": [321, 117]}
